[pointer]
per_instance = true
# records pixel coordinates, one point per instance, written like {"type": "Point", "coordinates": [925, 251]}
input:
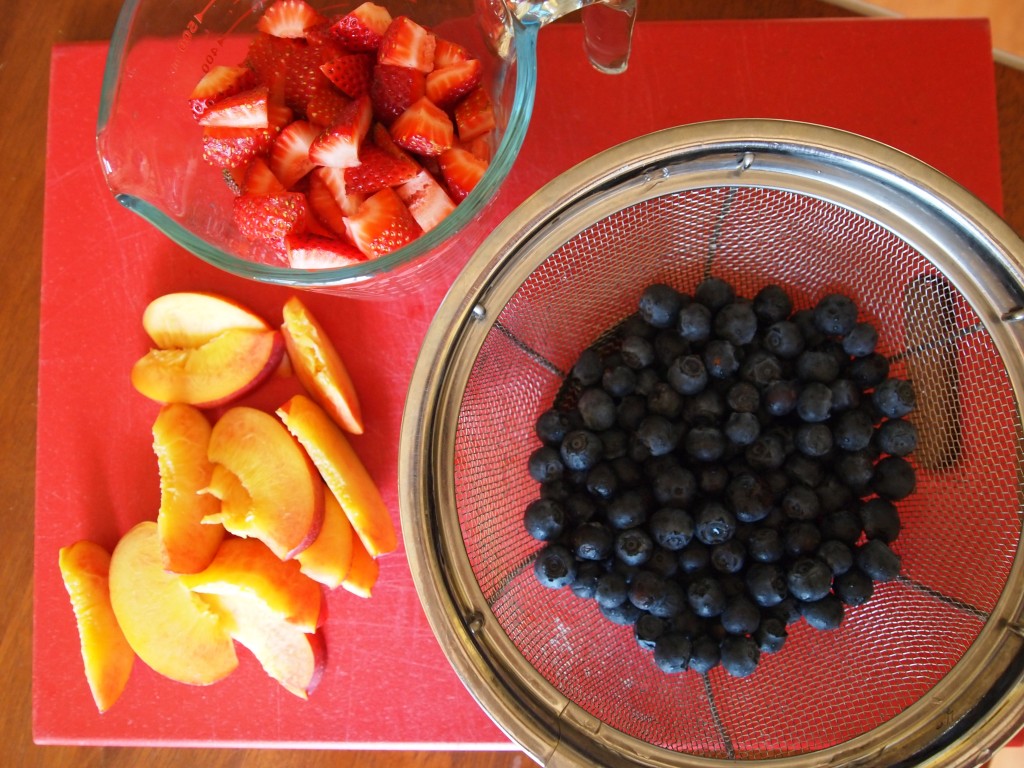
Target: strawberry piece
{"type": "Point", "coordinates": [288, 19]}
{"type": "Point", "coordinates": [338, 146]}
{"type": "Point", "coordinates": [270, 217]}
{"type": "Point", "coordinates": [461, 170]}
{"type": "Point", "coordinates": [326, 107]}
{"type": "Point", "coordinates": [423, 128]}
{"type": "Point", "coordinates": [362, 28]}
{"type": "Point", "coordinates": [220, 82]}
{"type": "Point", "coordinates": [474, 115]}
{"type": "Point", "coordinates": [247, 109]}
{"type": "Point", "coordinates": [407, 44]}
{"type": "Point", "coordinates": [235, 147]}
{"type": "Point", "coordinates": [334, 179]}
{"type": "Point", "coordinates": [323, 205]}
{"type": "Point", "coordinates": [448, 85]}
{"type": "Point", "coordinates": [447, 53]}
{"type": "Point", "coordinates": [382, 224]}
{"type": "Point", "coordinates": [426, 200]}
{"type": "Point", "coordinates": [307, 251]}
{"type": "Point", "coordinates": [351, 73]}
{"type": "Point", "coordinates": [378, 169]}
{"type": "Point", "coordinates": [259, 179]}
{"type": "Point", "coordinates": [394, 89]}
{"type": "Point", "coordinates": [289, 157]}
{"type": "Point", "coordinates": [480, 146]}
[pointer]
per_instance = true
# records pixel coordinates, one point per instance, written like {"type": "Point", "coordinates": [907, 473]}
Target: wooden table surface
{"type": "Point", "coordinates": [26, 37]}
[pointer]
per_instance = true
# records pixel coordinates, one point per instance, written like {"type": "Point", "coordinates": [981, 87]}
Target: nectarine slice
{"type": "Point", "coordinates": [247, 566]}
{"type": "Point", "coordinates": [189, 319]}
{"type": "Point", "coordinates": [286, 490]}
{"type": "Point", "coordinates": [235, 501]}
{"type": "Point", "coordinates": [181, 434]}
{"type": "Point", "coordinates": [327, 559]}
{"type": "Point", "coordinates": [343, 471]}
{"type": "Point", "coordinates": [223, 369]}
{"type": "Point", "coordinates": [171, 629]}
{"type": "Point", "coordinates": [363, 572]}
{"type": "Point", "coordinates": [294, 658]}
{"type": "Point", "coordinates": [318, 366]}
{"type": "Point", "coordinates": [108, 658]}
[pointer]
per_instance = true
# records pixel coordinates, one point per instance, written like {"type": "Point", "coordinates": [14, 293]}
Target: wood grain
{"type": "Point", "coordinates": [26, 37]}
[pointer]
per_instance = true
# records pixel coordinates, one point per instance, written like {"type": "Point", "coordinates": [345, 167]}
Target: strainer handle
{"type": "Point", "coordinates": [607, 26]}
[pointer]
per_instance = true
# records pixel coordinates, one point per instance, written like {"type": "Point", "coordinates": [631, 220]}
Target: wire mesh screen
{"type": "Point", "coordinates": [961, 527]}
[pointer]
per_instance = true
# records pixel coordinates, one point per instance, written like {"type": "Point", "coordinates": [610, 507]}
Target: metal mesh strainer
{"type": "Point", "coordinates": [926, 673]}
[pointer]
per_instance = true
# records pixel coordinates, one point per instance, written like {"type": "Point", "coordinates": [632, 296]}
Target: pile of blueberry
{"type": "Point", "coordinates": [716, 468]}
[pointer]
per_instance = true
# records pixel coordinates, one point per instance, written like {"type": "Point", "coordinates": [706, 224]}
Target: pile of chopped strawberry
{"type": "Point", "coordinates": [345, 138]}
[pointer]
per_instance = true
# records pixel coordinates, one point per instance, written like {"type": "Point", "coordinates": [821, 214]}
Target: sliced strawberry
{"type": "Point", "coordinates": [270, 217]}
{"type": "Point", "coordinates": [334, 179]}
{"type": "Point", "coordinates": [289, 157]}
{"type": "Point", "coordinates": [235, 147]}
{"type": "Point", "coordinates": [219, 83]}
{"type": "Point", "coordinates": [362, 28]}
{"type": "Point", "coordinates": [288, 19]}
{"type": "Point", "coordinates": [378, 169]}
{"type": "Point", "coordinates": [351, 73]}
{"type": "Point", "coordinates": [447, 53]}
{"type": "Point", "coordinates": [247, 109]}
{"type": "Point", "coordinates": [327, 46]}
{"type": "Point", "coordinates": [382, 224]}
{"type": "Point", "coordinates": [423, 128]}
{"type": "Point", "coordinates": [480, 146]}
{"type": "Point", "coordinates": [324, 207]}
{"type": "Point", "coordinates": [448, 85]}
{"type": "Point", "coordinates": [326, 107]}
{"type": "Point", "coordinates": [474, 115]}
{"type": "Point", "coordinates": [394, 89]}
{"type": "Point", "coordinates": [338, 146]}
{"type": "Point", "coordinates": [407, 44]}
{"type": "Point", "coordinates": [461, 171]}
{"type": "Point", "coordinates": [259, 179]}
{"type": "Point", "coordinates": [426, 200]}
{"type": "Point", "coordinates": [307, 251]}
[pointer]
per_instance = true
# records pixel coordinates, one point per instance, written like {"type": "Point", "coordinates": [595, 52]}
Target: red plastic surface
{"type": "Point", "coordinates": [925, 87]}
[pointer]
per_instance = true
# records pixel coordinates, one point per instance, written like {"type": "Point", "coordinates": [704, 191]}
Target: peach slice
{"type": "Point", "coordinates": [189, 319]}
{"type": "Point", "coordinates": [181, 434]}
{"type": "Point", "coordinates": [344, 473]}
{"type": "Point", "coordinates": [327, 560]}
{"type": "Point", "coordinates": [235, 501]}
{"type": "Point", "coordinates": [247, 566]}
{"type": "Point", "coordinates": [294, 658]}
{"type": "Point", "coordinates": [224, 368]}
{"type": "Point", "coordinates": [108, 658]}
{"type": "Point", "coordinates": [286, 490]}
{"type": "Point", "coordinates": [171, 629]}
{"type": "Point", "coordinates": [319, 367]}
{"type": "Point", "coordinates": [363, 572]}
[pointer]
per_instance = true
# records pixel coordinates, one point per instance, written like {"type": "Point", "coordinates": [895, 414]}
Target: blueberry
{"type": "Point", "coordinates": [814, 440]}
{"type": "Point", "coordinates": [894, 478]}
{"type": "Point", "coordinates": [619, 380]}
{"type": "Point", "coordinates": [740, 655]}
{"type": "Point", "coordinates": [659, 305]}
{"type": "Point", "coordinates": [556, 490]}
{"type": "Point", "coordinates": [832, 493]}
{"type": "Point", "coordinates": [694, 323]}
{"type": "Point", "coordinates": [743, 397]}
{"type": "Point", "coordinates": [614, 443]}
{"type": "Point", "coordinates": [837, 555]}
{"type": "Point", "coordinates": [765, 545]}
{"type": "Point", "coordinates": [671, 527]}
{"type": "Point", "coordinates": [749, 497]}
{"type": "Point", "coordinates": [669, 600]}
{"type": "Point", "coordinates": [637, 352]}
{"type": "Point", "coordinates": [767, 452]}
{"type": "Point", "coordinates": [835, 315]}
{"type": "Point", "coordinates": [728, 557]}
{"type": "Point", "coordinates": [674, 484]}
{"type": "Point", "coordinates": [628, 471]}
{"type": "Point", "coordinates": [555, 566]}
{"type": "Point", "coordinates": [742, 428]}
{"type": "Point", "coordinates": [766, 584]}
{"type": "Point", "coordinates": [624, 614]}
{"type": "Point", "coordinates": [707, 407]}
{"type": "Point", "coordinates": [647, 630]}
{"type": "Point", "coordinates": [592, 541]}
{"type": "Point", "coordinates": [645, 589]}
{"type": "Point", "coordinates": [664, 400]}
{"type": "Point", "coordinates": [672, 653]}
{"type": "Point", "coordinates": [687, 375]}
{"type": "Point", "coordinates": [597, 409]}
{"type": "Point", "coordinates": [804, 320]}
{"type": "Point", "coordinates": [714, 293]}
{"type": "Point", "coordinates": [801, 538]}
{"type": "Point", "coordinates": [657, 434]}
{"type": "Point", "coordinates": [663, 562]}
{"type": "Point", "coordinates": [817, 365]}
{"type": "Point", "coordinates": [897, 436]}
{"type": "Point", "coordinates": [878, 561]}
{"type": "Point", "coordinates": [809, 579]}
{"type": "Point", "coordinates": [630, 411]}
{"type": "Point", "coordinates": [545, 464]}
{"type": "Point", "coordinates": [801, 503]}
{"type": "Point", "coordinates": [704, 444]}
{"type": "Point", "coordinates": [854, 587]}
{"type": "Point", "coordinates": [760, 368]}
{"type": "Point", "coordinates": [880, 519]}
{"type": "Point", "coordinates": [740, 616]}
{"type": "Point", "coordinates": [627, 510]}
{"type": "Point", "coordinates": [869, 371]}
{"type": "Point", "coordinates": [856, 469]}
{"type": "Point", "coordinates": [668, 345]}
{"type": "Point", "coordinates": [842, 524]}
{"type": "Point", "coordinates": [803, 469]}
{"type": "Point", "coordinates": [894, 398]}
{"type": "Point", "coordinates": [814, 403]}
{"type": "Point", "coordinates": [772, 304]}
{"type": "Point", "coordinates": [705, 654]}
{"type": "Point", "coordinates": [579, 508]}
{"type": "Point", "coordinates": [544, 519]}
{"type": "Point", "coordinates": [611, 589]}
{"type": "Point", "coordinates": [853, 430]}
{"type": "Point", "coordinates": [584, 585]}
{"type": "Point", "coordinates": [784, 339]}
{"type": "Point", "coordinates": [633, 546]}
{"type": "Point", "coordinates": [694, 558]}
{"type": "Point", "coordinates": [646, 379]}
{"type": "Point", "coordinates": [736, 323]}
{"type": "Point", "coordinates": [706, 596]}
{"type": "Point", "coordinates": [715, 524]}
{"type": "Point", "coordinates": [780, 397]}
{"type": "Point", "coordinates": [825, 614]}
{"type": "Point", "coordinates": [861, 340]}
{"type": "Point", "coordinates": [712, 479]}
{"type": "Point", "coordinates": [720, 359]}
{"type": "Point", "coordinates": [771, 635]}
{"type": "Point", "coordinates": [845, 395]}
{"type": "Point", "coordinates": [788, 611]}
{"type": "Point", "coordinates": [552, 426]}
{"type": "Point", "coordinates": [588, 367]}
{"type": "Point", "coordinates": [581, 449]}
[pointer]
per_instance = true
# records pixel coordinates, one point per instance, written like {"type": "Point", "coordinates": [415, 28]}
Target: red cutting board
{"type": "Point", "coordinates": [926, 87]}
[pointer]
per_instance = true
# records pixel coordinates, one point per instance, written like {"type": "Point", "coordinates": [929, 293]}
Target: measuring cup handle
{"type": "Point", "coordinates": [607, 26]}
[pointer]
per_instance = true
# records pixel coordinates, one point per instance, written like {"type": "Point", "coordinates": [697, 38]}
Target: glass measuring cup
{"type": "Point", "coordinates": [149, 145]}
